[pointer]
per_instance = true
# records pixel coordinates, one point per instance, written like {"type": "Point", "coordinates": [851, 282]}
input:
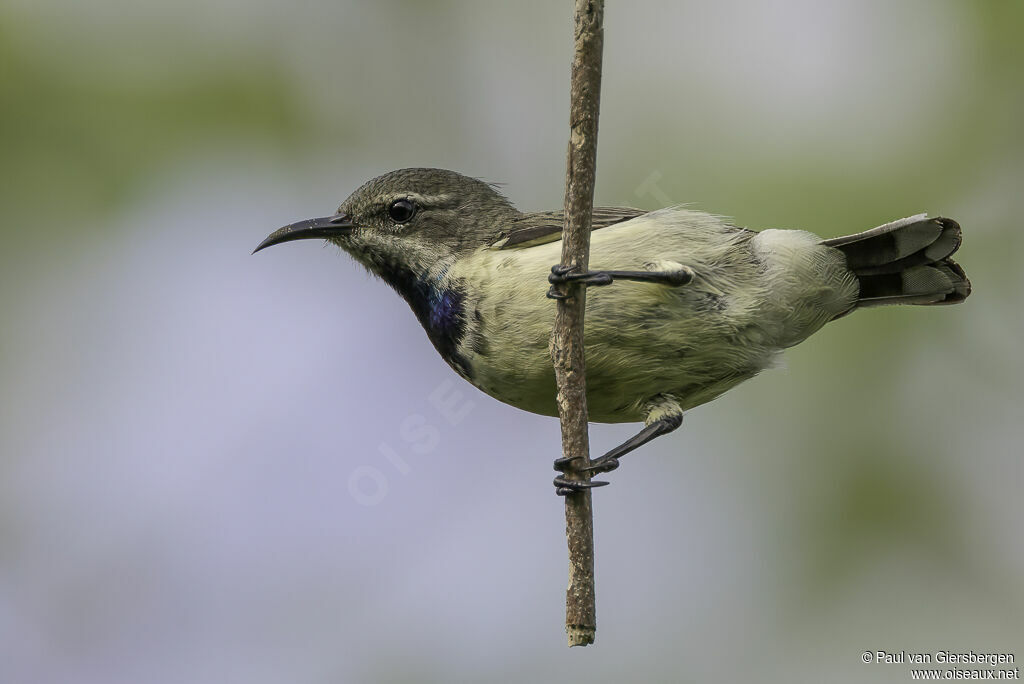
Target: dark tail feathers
{"type": "Point", "coordinates": [906, 262]}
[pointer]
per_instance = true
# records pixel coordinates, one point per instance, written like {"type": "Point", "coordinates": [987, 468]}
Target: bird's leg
{"type": "Point", "coordinates": [664, 273]}
{"type": "Point", "coordinates": [663, 416]}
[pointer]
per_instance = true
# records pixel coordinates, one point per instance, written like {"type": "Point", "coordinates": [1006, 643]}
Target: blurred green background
{"type": "Point", "coordinates": [204, 470]}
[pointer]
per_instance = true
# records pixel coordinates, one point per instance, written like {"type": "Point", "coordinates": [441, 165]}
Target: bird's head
{"type": "Point", "coordinates": [410, 217]}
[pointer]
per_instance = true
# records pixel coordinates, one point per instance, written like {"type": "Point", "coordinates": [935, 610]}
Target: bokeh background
{"type": "Point", "coordinates": [217, 467]}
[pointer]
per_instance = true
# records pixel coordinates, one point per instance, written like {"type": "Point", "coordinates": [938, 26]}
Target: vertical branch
{"type": "Point", "coordinates": [567, 336]}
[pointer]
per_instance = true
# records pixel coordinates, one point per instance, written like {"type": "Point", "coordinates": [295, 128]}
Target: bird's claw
{"type": "Point", "coordinates": [555, 294]}
{"type": "Point", "coordinates": [561, 274]}
{"type": "Point", "coordinates": [564, 274]}
{"type": "Point", "coordinates": [562, 464]}
{"type": "Point", "coordinates": [565, 486]}
{"type": "Point", "coordinates": [557, 277]}
{"type": "Point", "coordinates": [605, 464]}
{"type": "Point", "coordinates": [601, 465]}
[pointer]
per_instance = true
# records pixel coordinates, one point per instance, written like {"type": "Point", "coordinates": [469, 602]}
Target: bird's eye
{"type": "Point", "coordinates": [402, 210]}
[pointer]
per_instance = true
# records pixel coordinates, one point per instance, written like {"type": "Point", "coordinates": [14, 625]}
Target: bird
{"type": "Point", "coordinates": [685, 305]}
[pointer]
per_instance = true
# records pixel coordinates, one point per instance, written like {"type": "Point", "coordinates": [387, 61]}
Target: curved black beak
{"type": "Point", "coordinates": [323, 228]}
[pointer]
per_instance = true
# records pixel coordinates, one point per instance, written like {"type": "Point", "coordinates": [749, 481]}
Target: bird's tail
{"type": "Point", "coordinates": [906, 262]}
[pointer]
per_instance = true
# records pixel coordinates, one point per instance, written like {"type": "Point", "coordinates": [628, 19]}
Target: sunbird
{"type": "Point", "coordinates": [684, 304]}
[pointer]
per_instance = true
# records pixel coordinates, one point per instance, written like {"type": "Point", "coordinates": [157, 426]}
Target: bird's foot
{"type": "Point", "coordinates": [674, 276]}
{"type": "Point", "coordinates": [563, 485]}
{"type": "Point", "coordinates": [670, 418]}
{"type": "Point", "coordinates": [561, 274]}
{"type": "Point", "coordinates": [605, 464]}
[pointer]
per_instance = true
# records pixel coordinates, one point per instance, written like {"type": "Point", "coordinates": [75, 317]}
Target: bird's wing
{"type": "Point", "coordinates": [541, 227]}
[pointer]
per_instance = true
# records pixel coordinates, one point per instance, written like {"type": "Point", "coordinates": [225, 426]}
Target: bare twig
{"type": "Point", "coordinates": [567, 336]}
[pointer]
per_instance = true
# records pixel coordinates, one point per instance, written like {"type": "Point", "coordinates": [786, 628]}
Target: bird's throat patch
{"type": "Point", "coordinates": [445, 306]}
{"type": "Point", "coordinates": [438, 303]}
